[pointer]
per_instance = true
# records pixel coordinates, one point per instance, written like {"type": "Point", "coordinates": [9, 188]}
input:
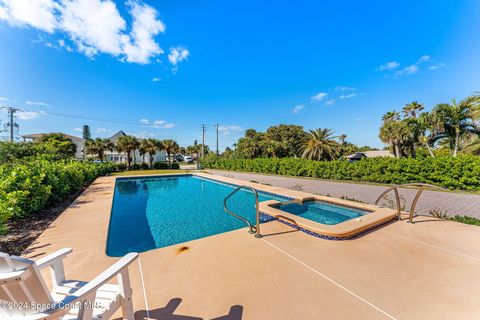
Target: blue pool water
{"type": "Point", "coordinates": [323, 212]}
{"type": "Point", "coordinates": [156, 212]}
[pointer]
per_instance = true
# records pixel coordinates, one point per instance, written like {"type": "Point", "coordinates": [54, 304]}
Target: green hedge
{"type": "Point", "coordinates": [26, 187]}
{"type": "Point", "coordinates": [461, 173]}
{"type": "Point", "coordinates": [166, 165]}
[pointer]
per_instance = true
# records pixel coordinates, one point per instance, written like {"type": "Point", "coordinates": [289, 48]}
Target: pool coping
{"type": "Point", "coordinates": [344, 230]}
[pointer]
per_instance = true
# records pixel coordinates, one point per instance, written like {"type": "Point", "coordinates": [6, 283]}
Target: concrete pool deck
{"type": "Point", "coordinates": [428, 270]}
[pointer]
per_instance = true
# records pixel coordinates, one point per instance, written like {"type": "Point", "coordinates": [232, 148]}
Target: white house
{"type": "Point", "coordinates": [115, 156]}
{"type": "Point", "coordinates": [79, 142]}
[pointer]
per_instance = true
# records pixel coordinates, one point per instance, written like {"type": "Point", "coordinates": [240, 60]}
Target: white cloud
{"type": "Point", "coordinates": [229, 128]}
{"type": "Point", "coordinates": [163, 124]}
{"type": "Point", "coordinates": [347, 96]}
{"type": "Point", "coordinates": [411, 69]}
{"type": "Point", "coordinates": [62, 44]}
{"type": "Point", "coordinates": [436, 66]}
{"type": "Point", "coordinates": [343, 88]}
{"type": "Point", "coordinates": [297, 109]}
{"type": "Point", "coordinates": [28, 115]}
{"type": "Point", "coordinates": [156, 79]}
{"type": "Point", "coordinates": [36, 103]}
{"type": "Point", "coordinates": [93, 26]}
{"type": "Point", "coordinates": [102, 130]}
{"type": "Point", "coordinates": [319, 96]}
{"type": "Point", "coordinates": [330, 102]}
{"type": "Point", "coordinates": [144, 135]}
{"type": "Point", "coordinates": [392, 65]}
{"type": "Point", "coordinates": [77, 129]}
{"type": "Point", "coordinates": [4, 99]}
{"type": "Point", "coordinates": [160, 124]}
{"type": "Point", "coordinates": [40, 14]}
{"type": "Point", "coordinates": [423, 59]}
{"type": "Point", "coordinates": [358, 119]}
{"type": "Point", "coordinates": [407, 70]}
{"type": "Point", "coordinates": [177, 55]}
{"type": "Point", "coordinates": [145, 27]}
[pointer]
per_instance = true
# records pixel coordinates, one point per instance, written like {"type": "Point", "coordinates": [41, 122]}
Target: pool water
{"type": "Point", "coordinates": [323, 212]}
{"type": "Point", "coordinates": [156, 212]}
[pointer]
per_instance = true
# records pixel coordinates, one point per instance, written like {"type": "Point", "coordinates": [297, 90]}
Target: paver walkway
{"type": "Point", "coordinates": [453, 203]}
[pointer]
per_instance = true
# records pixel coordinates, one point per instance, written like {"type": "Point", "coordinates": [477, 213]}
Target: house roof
{"type": "Point", "coordinates": [39, 135]}
{"type": "Point", "coordinates": [117, 135]}
{"type": "Point", "coordinates": [370, 154]}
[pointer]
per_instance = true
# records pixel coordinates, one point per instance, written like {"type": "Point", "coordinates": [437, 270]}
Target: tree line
{"type": "Point", "coordinates": [129, 144]}
{"type": "Point", "coordinates": [292, 141]}
{"type": "Point", "coordinates": [449, 127]}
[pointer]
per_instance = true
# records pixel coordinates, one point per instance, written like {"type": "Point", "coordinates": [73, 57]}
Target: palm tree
{"type": "Point", "coordinates": [412, 109]}
{"type": "Point", "coordinates": [127, 144]}
{"type": "Point", "coordinates": [319, 144]}
{"type": "Point", "coordinates": [395, 134]}
{"type": "Point", "coordinates": [391, 116]}
{"type": "Point", "coordinates": [98, 147]}
{"type": "Point", "coordinates": [424, 123]}
{"type": "Point", "coordinates": [170, 147]}
{"type": "Point", "coordinates": [456, 120]}
{"type": "Point", "coordinates": [150, 147]}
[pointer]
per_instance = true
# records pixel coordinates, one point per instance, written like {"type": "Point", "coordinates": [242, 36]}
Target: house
{"type": "Point", "coordinates": [369, 154]}
{"type": "Point", "coordinates": [79, 142]}
{"type": "Point", "coordinates": [115, 156]}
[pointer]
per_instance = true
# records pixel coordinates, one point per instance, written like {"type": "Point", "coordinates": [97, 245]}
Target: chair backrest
{"type": "Point", "coordinates": [22, 288]}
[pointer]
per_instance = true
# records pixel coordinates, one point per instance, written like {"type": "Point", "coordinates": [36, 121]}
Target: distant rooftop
{"type": "Point", "coordinates": [370, 154]}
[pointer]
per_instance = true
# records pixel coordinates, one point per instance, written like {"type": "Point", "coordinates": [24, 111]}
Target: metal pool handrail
{"type": "Point", "coordinates": [422, 186]}
{"type": "Point", "coordinates": [252, 229]}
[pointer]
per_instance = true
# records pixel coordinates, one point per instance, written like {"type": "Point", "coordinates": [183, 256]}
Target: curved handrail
{"type": "Point", "coordinates": [252, 229]}
{"type": "Point", "coordinates": [422, 186]}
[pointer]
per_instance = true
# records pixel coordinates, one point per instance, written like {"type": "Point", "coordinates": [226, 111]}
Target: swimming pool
{"type": "Point", "coordinates": [323, 212]}
{"type": "Point", "coordinates": [155, 212]}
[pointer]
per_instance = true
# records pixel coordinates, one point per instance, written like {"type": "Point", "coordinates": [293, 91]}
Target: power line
{"type": "Point", "coordinates": [121, 121]}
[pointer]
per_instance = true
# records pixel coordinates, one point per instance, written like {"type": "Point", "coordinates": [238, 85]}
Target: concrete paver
{"type": "Point", "coordinates": [454, 203]}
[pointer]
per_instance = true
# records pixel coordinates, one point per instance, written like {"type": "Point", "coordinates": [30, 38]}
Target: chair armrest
{"type": "Point", "coordinates": [52, 258]}
{"type": "Point", "coordinates": [102, 278]}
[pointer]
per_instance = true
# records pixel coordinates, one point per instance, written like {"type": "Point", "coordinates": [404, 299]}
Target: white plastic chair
{"type": "Point", "coordinates": [24, 294]}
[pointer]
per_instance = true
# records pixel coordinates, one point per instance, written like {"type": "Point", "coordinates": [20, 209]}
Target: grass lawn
{"type": "Point", "coordinates": [466, 220]}
{"type": "Point", "coordinates": [148, 172]}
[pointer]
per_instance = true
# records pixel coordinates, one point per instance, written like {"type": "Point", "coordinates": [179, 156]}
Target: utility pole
{"type": "Point", "coordinates": [203, 140]}
{"type": "Point", "coordinates": [11, 112]}
{"type": "Point", "coordinates": [217, 139]}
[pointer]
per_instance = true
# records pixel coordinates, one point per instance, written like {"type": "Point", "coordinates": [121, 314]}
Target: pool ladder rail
{"type": "Point", "coordinates": [251, 228]}
{"type": "Point", "coordinates": [421, 186]}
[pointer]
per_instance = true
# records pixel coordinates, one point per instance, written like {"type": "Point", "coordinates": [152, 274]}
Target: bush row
{"type": "Point", "coordinates": [26, 187]}
{"type": "Point", "coordinates": [462, 172]}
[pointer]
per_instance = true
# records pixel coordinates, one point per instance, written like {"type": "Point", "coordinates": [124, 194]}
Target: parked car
{"type": "Point", "coordinates": [187, 159]}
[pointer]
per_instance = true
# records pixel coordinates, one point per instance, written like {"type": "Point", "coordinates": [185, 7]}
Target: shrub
{"type": "Point", "coordinates": [461, 173]}
{"type": "Point", "coordinates": [166, 165]}
{"type": "Point", "coordinates": [27, 187]}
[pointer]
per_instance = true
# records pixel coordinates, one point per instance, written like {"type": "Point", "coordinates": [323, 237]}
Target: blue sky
{"type": "Point", "coordinates": [163, 68]}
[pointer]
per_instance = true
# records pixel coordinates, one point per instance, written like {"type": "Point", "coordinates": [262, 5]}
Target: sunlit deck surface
{"type": "Point", "coordinates": [428, 270]}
